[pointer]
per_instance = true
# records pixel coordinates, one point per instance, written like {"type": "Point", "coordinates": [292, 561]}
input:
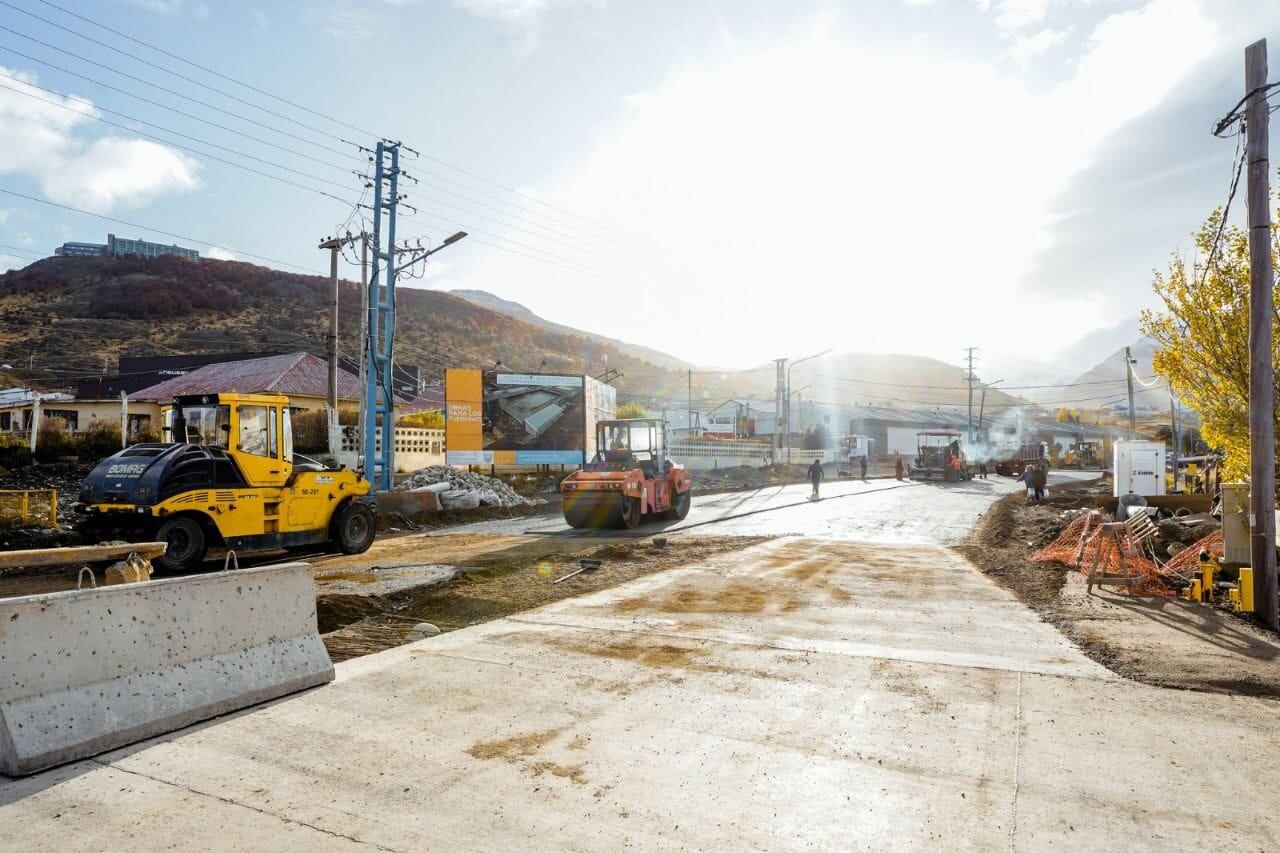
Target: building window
{"type": "Point", "coordinates": [69, 417]}
{"type": "Point", "coordinates": [139, 423]}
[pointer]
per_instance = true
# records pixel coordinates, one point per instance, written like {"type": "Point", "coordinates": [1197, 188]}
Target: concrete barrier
{"type": "Point", "coordinates": [89, 670]}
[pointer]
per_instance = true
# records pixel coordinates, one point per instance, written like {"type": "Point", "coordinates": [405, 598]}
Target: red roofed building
{"type": "Point", "coordinates": [300, 376]}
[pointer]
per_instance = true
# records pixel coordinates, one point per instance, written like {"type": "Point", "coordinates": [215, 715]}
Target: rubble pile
{"type": "Point", "coordinates": [459, 489]}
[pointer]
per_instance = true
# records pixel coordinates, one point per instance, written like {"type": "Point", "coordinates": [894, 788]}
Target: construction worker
{"type": "Point", "coordinates": [1040, 480]}
{"type": "Point", "coordinates": [1027, 479]}
{"type": "Point", "coordinates": [898, 468]}
{"type": "Point", "coordinates": [620, 456]}
{"type": "Point", "coordinates": [815, 476]}
{"type": "Point", "coordinates": [982, 469]}
{"type": "Point", "coordinates": [862, 464]}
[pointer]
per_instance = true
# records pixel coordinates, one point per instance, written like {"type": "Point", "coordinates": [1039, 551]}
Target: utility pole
{"type": "Point", "coordinates": [364, 333]}
{"type": "Point", "coordinates": [333, 244]}
{"type": "Point", "coordinates": [1173, 436]}
{"type": "Point", "coordinates": [779, 390]}
{"type": "Point", "coordinates": [379, 399]}
{"type": "Point", "coordinates": [970, 350]}
{"type": "Point", "coordinates": [690, 412]}
{"type": "Point", "coordinates": [1128, 378]}
{"type": "Point", "coordinates": [1262, 440]}
{"type": "Point", "coordinates": [982, 406]}
{"type": "Point", "coordinates": [124, 420]}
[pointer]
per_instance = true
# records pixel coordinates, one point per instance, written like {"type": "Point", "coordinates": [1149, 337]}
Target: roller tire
{"type": "Point", "coordinates": [185, 544]}
{"type": "Point", "coordinates": [680, 504]}
{"type": "Point", "coordinates": [626, 513]}
{"type": "Point", "coordinates": [577, 518]}
{"type": "Point", "coordinates": [354, 528]}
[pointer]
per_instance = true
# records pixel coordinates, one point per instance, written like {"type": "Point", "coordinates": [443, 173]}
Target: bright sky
{"type": "Point", "coordinates": [732, 181]}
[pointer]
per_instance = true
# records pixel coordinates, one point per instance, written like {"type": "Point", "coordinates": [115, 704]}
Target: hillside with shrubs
{"type": "Point", "coordinates": [76, 312]}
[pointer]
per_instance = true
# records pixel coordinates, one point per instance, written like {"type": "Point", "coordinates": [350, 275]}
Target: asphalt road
{"type": "Point", "coordinates": [883, 511]}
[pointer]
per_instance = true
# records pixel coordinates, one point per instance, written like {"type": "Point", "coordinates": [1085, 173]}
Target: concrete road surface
{"type": "Point", "coordinates": [870, 511]}
{"type": "Point", "coordinates": [807, 692]}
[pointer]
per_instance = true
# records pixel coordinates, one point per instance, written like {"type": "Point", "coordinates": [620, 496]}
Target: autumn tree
{"type": "Point", "coordinates": [632, 410]}
{"type": "Point", "coordinates": [1203, 336]}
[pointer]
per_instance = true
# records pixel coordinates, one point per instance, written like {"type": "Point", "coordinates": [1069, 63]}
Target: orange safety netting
{"type": "Point", "coordinates": [1187, 560]}
{"type": "Point", "coordinates": [1090, 540]}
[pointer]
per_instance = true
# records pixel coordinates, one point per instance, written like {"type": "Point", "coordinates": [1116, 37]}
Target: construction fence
{"type": "Point", "coordinates": [700, 454]}
{"type": "Point", "coordinates": [29, 508]}
{"type": "Point", "coordinates": [415, 448]}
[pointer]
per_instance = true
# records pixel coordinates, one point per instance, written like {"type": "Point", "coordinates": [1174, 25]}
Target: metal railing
{"type": "Point", "coordinates": [29, 508]}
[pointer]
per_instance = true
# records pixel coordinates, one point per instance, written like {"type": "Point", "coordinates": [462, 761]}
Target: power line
{"type": "Point", "coordinates": [207, 70]}
{"type": "Point", "coordinates": [157, 230]}
{"type": "Point", "coordinates": [470, 236]}
{"type": "Point", "coordinates": [1226, 210]}
{"type": "Point", "coordinates": [25, 253]}
{"type": "Point", "coordinates": [295, 171]}
{"type": "Point", "coordinates": [128, 129]}
{"type": "Point", "coordinates": [180, 76]}
{"type": "Point", "coordinates": [306, 109]}
{"type": "Point", "coordinates": [127, 117]}
{"type": "Point", "coordinates": [173, 92]}
{"type": "Point", "coordinates": [174, 110]}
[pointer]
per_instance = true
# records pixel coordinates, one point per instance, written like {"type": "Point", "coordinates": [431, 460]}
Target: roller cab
{"type": "Point", "coordinates": [227, 479]}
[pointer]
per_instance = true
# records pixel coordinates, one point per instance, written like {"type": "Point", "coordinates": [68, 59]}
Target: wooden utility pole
{"type": "Point", "coordinates": [1173, 438]}
{"type": "Point", "coordinates": [1262, 443]}
{"type": "Point", "coordinates": [690, 412]}
{"type": "Point", "coordinates": [332, 344]}
{"type": "Point", "coordinates": [1128, 378]}
{"type": "Point", "coordinates": [779, 393]}
{"type": "Point", "coordinates": [970, 350]}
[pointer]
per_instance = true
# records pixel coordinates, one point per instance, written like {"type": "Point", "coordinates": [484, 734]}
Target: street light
{"type": "Point", "coordinates": [449, 241]}
{"type": "Point", "coordinates": [788, 400]}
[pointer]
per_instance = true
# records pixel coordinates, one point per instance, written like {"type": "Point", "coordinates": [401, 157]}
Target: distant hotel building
{"type": "Point", "coordinates": [117, 247]}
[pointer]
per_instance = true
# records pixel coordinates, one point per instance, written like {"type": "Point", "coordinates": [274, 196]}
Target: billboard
{"type": "Point", "coordinates": [522, 418]}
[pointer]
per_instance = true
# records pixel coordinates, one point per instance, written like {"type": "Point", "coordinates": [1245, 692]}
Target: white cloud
{"type": "Point", "coordinates": [782, 210]}
{"type": "Point", "coordinates": [1014, 15]}
{"type": "Point", "coordinates": [259, 19]}
{"type": "Point", "coordinates": [40, 139]}
{"type": "Point", "coordinates": [522, 17]}
{"type": "Point", "coordinates": [220, 254]}
{"type": "Point", "coordinates": [163, 7]}
{"type": "Point", "coordinates": [1027, 47]}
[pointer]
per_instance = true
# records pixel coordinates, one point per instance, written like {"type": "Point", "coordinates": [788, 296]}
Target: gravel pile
{"type": "Point", "coordinates": [463, 490]}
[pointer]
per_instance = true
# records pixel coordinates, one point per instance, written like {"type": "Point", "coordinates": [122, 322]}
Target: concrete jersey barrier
{"type": "Point", "coordinates": [89, 670]}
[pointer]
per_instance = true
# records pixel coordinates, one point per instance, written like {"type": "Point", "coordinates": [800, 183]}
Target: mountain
{"type": "Point", "coordinates": [64, 318]}
{"type": "Point", "coordinates": [895, 380]}
{"type": "Point", "coordinates": [1104, 383]}
{"type": "Point", "coordinates": [1059, 371]}
{"type": "Point", "coordinates": [514, 309]}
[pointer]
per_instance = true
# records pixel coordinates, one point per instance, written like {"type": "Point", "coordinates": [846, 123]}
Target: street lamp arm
{"type": "Point", "coordinates": [422, 257]}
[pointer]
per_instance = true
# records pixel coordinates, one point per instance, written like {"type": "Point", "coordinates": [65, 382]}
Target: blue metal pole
{"type": "Point", "coordinates": [375, 300]}
{"type": "Point", "coordinates": [389, 330]}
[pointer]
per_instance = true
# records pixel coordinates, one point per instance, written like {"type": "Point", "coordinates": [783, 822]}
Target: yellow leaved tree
{"type": "Point", "coordinates": [632, 410]}
{"type": "Point", "coordinates": [1203, 337]}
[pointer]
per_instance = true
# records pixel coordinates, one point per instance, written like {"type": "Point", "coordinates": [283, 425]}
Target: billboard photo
{"type": "Point", "coordinates": [520, 418]}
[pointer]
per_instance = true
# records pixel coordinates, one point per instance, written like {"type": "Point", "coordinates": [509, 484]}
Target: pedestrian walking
{"type": "Point", "coordinates": [862, 463]}
{"type": "Point", "coordinates": [815, 477]}
{"type": "Point", "coordinates": [1040, 481]}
